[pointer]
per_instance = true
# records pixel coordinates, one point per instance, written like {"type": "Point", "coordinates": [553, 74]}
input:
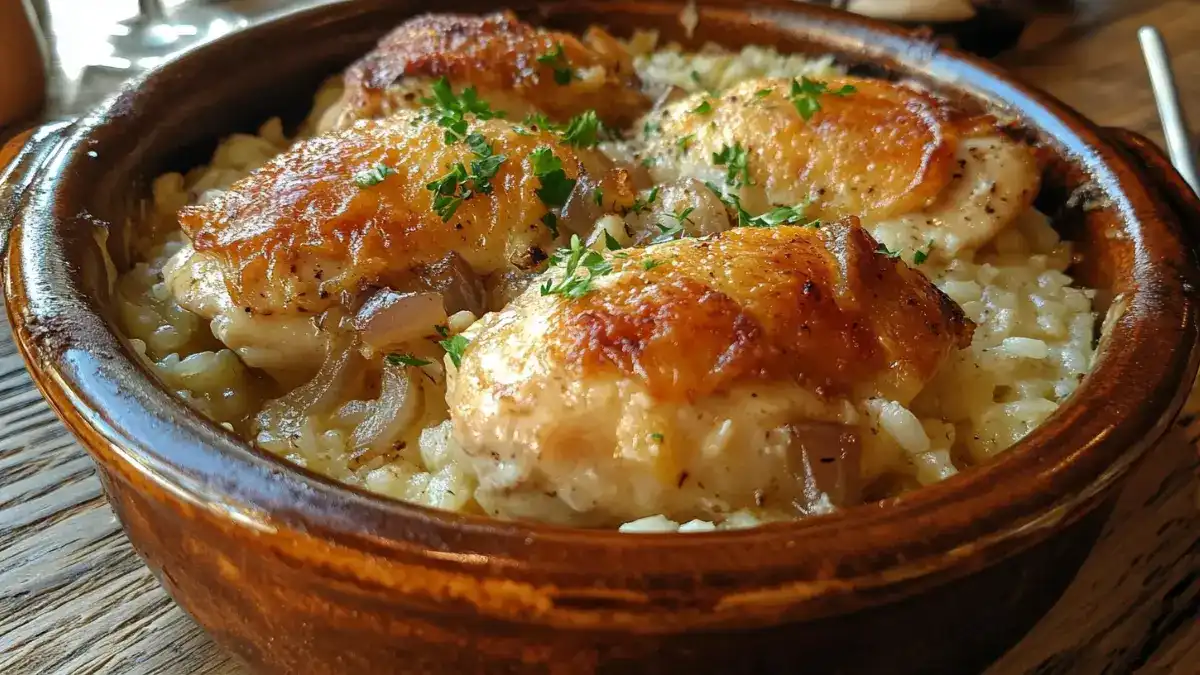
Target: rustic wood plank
{"type": "Point", "coordinates": [75, 598]}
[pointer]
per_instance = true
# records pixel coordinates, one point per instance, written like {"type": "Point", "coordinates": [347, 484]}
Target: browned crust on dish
{"type": "Point", "coordinates": [499, 52]}
{"type": "Point", "coordinates": [818, 305]}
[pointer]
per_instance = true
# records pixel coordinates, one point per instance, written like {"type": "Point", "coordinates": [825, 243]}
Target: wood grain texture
{"type": "Point", "coordinates": [75, 599]}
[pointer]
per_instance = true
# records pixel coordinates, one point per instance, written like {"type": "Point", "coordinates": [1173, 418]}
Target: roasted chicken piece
{"type": "Point", "coordinates": [519, 68]}
{"type": "Point", "coordinates": [696, 377]}
{"type": "Point", "coordinates": [385, 204]}
{"type": "Point", "coordinates": [921, 175]}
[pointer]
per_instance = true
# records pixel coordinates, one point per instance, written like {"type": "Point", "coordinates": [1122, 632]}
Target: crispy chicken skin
{"type": "Point", "coordinates": [914, 169]}
{"type": "Point", "coordinates": [293, 235]}
{"type": "Point", "coordinates": [704, 384]}
{"type": "Point", "coordinates": [498, 55]}
{"type": "Point", "coordinates": [301, 235]}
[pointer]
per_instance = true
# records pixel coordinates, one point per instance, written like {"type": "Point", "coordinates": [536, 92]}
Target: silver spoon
{"type": "Point", "coordinates": [1166, 97]}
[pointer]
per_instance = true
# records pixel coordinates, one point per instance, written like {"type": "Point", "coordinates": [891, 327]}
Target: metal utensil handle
{"type": "Point", "coordinates": [151, 10]}
{"type": "Point", "coordinates": [1162, 80]}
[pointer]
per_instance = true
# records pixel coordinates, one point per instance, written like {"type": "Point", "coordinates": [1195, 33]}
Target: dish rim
{"type": "Point", "coordinates": [108, 398]}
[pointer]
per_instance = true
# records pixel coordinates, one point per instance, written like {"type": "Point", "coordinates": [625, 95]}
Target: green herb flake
{"type": "Point", "coordinates": [557, 60]}
{"type": "Point", "coordinates": [923, 255]}
{"type": "Point", "coordinates": [450, 111]}
{"type": "Point", "coordinates": [882, 248]}
{"type": "Point", "coordinates": [685, 142]}
{"type": "Point", "coordinates": [455, 346]}
{"type": "Point", "coordinates": [763, 93]}
{"type": "Point", "coordinates": [459, 185]}
{"type": "Point", "coordinates": [806, 95]}
{"type": "Point", "coordinates": [598, 196]}
{"type": "Point", "coordinates": [704, 108]}
{"type": "Point", "coordinates": [373, 176]}
{"type": "Point", "coordinates": [671, 231]}
{"type": "Point", "coordinates": [733, 158]}
{"type": "Point", "coordinates": [695, 78]}
{"type": "Point", "coordinates": [651, 128]}
{"type": "Point", "coordinates": [583, 130]}
{"type": "Point", "coordinates": [571, 259]}
{"type": "Point", "coordinates": [610, 242]}
{"type": "Point", "coordinates": [640, 204]}
{"type": "Point", "coordinates": [556, 187]}
{"type": "Point", "coordinates": [551, 222]}
{"type": "Point", "coordinates": [538, 121]}
{"type": "Point", "coordinates": [657, 438]}
{"type": "Point", "coordinates": [406, 360]}
{"type": "Point", "coordinates": [780, 215]}
{"type": "Point", "coordinates": [650, 263]}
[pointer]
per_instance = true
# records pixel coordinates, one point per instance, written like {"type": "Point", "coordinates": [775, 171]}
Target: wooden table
{"type": "Point", "coordinates": [75, 599]}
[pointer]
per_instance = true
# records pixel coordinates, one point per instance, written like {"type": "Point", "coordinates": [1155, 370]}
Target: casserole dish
{"type": "Point", "coordinates": [294, 573]}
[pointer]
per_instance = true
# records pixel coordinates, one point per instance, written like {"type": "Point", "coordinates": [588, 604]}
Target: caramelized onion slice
{"type": "Point", "coordinates": [390, 415]}
{"type": "Point", "coordinates": [824, 459]}
{"type": "Point", "coordinates": [286, 416]}
{"type": "Point", "coordinates": [459, 285]}
{"type": "Point", "coordinates": [389, 319]}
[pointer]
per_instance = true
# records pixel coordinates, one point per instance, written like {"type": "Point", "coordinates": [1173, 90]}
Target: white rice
{"type": "Point", "coordinates": [1033, 343]}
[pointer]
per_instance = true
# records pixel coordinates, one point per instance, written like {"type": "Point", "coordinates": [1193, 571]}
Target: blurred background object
{"type": "Point", "coordinates": [158, 31]}
{"type": "Point", "coordinates": [22, 65]}
{"type": "Point", "coordinates": [97, 44]}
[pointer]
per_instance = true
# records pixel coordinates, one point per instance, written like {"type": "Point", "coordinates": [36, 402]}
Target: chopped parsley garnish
{"type": "Point", "coordinates": [733, 158]}
{"type": "Point", "coordinates": [458, 185]}
{"type": "Point", "coordinates": [780, 215]}
{"type": "Point", "coordinates": [578, 255]}
{"type": "Point", "coordinates": [882, 248]}
{"type": "Point", "coordinates": [763, 93]}
{"type": "Point", "coordinates": [556, 187]}
{"type": "Point", "coordinates": [650, 263]}
{"type": "Point", "coordinates": [685, 142]}
{"type": "Point", "coordinates": [923, 255]}
{"type": "Point", "coordinates": [640, 204]}
{"type": "Point", "coordinates": [657, 438]}
{"type": "Point", "coordinates": [583, 130]}
{"type": "Point", "coordinates": [450, 111]}
{"type": "Point", "coordinates": [454, 346]}
{"type": "Point", "coordinates": [535, 121]}
{"type": "Point", "coordinates": [806, 95]}
{"type": "Point", "coordinates": [485, 165]}
{"type": "Point", "coordinates": [557, 60]}
{"type": "Point", "coordinates": [785, 214]}
{"type": "Point", "coordinates": [406, 360]}
{"type": "Point", "coordinates": [373, 176]}
{"type": "Point", "coordinates": [703, 109]}
{"type": "Point", "coordinates": [551, 222]}
{"type": "Point", "coordinates": [449, 191]}
{"type": "Point", "coordinates": [610, 242]}
{"type": "Point", "coordinates": [649, 161]}
{"type": "Point", "coordinates": [670, 231]}
{"type": "Point", "coordinates": [650, 128]}
{"type": "Point", "coordinates": [598, 196]}
{"type": "Point", "coordinates": [695, 78]}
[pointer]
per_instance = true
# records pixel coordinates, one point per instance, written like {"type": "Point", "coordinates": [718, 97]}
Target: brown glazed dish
{"type": "Point", "coordinates": [296, 574]}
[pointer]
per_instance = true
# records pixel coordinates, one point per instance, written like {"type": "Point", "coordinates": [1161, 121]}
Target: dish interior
{"type": "Point", "coordinates": [1034, 327]}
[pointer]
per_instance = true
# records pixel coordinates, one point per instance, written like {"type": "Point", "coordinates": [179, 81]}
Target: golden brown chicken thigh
{"type": "Point", "coordinates": [519, 68]}
{"type": "Point", "coordinates": [920, 174]}
{"type": "Point", "coordinates": [386, 204]}
{"type": "Point", "coordinates": [697, 377]}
